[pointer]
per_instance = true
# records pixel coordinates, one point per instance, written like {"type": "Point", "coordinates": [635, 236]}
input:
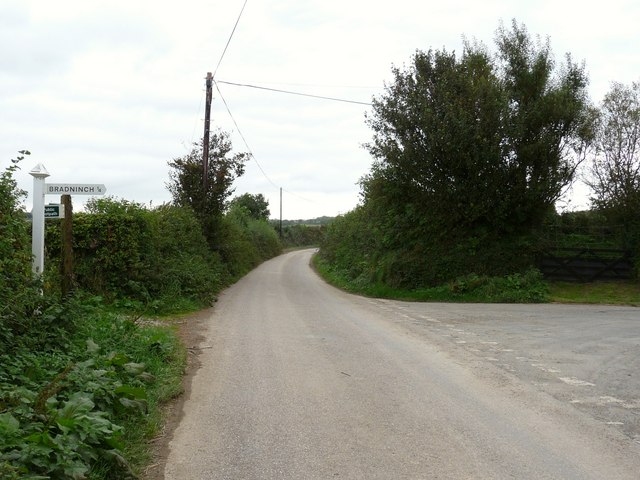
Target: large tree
{"type": "Point", "coordinates": [187, 187]}
{"type": "Point", "coordinates": [615, 171]}
{"type": "Point", "coordinates": [478, 142]}
{"type": "Point", "coordinates": [256, 206]}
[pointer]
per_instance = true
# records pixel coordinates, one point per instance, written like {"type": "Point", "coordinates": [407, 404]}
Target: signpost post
{"type": "Point", "coordinates": [39, 173]}
{"type": "Point", "coordinates": [40, 189]}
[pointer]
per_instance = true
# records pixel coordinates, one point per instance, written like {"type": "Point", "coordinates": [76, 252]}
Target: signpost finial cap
{"type": "Point", "coordinates": [39, 171]}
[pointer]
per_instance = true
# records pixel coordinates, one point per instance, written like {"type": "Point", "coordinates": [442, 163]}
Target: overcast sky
{"type": "Point", "coordinates": [109, 91]}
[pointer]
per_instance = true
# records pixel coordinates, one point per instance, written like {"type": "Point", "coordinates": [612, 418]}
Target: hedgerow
{"type": "Point", "coordinates": [80, 383]}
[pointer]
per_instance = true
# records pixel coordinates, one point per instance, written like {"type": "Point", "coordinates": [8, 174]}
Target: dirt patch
{"type": "Point", "coordinates": [190, 331]}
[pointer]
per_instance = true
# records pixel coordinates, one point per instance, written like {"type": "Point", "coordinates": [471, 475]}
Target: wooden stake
{"type": "Point", "coordinates": [67, 247]}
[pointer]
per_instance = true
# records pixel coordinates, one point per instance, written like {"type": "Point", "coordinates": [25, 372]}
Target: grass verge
{"type": "Point", "coordinates": [613, 293]}
{"type": "Point", "coordinates": [518, 288]}
{"type": "Point", "coordinates": [527, 288]}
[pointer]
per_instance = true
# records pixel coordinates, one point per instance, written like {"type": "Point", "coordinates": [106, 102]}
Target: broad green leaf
{"type": "Point", "coordinates": [134, 392]}
{"type": "Point", "coordinates": [140, 405]}
{"type": "Point", "coordinates": [118, 359]}
{"type": "Point", "coordinates": [135, 368]}
{"type": "Point", "coordinates": [76, 471]}
{"type": "Point", "coordinates": [92, 347]}
{"type": "Point", "coordinates": [8, 423]}
{"type": "Point", "coordinates": [79, 403]}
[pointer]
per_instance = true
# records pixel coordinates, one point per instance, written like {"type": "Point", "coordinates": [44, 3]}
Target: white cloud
{"type": "Point", "coordinates": [109, 91]}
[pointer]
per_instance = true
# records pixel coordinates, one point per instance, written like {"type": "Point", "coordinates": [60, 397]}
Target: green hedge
{"type": "Point", "coordinates": [124, 250]}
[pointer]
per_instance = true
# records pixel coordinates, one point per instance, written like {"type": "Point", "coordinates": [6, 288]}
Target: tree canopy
{"type": "Point", "coordinates": [471, 152]}
{"type": "Point", "coordinates": [615, 171]}
{"type": "Point", "coordinates": [186, 183]}
{"type": "Point", "coordinates": [17, 284]}
{"type": "Point", "coordinates": [479, 141]}
{"type": "Point", "coordinates": [256, 206]}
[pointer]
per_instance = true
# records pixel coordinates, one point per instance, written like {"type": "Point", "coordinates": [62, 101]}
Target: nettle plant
{"type": "Point", "coordinates": [67, 426]}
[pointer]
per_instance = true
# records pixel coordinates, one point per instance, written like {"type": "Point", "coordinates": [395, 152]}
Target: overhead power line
{"type": "Point", "coordinates": [229, 40]}
{"type": "Point", "coordinates": [316, 85]}
{"type": "Point", "coordinates": [253, 157]}
{"type": "Point", "coordinates": [242, 136]}
{"type": "Point", "coordinates": [198, 117]}
{"type": "Point", "coordinates": [289, 92]}
{"type": "Point", "coordinates": [234, 120]}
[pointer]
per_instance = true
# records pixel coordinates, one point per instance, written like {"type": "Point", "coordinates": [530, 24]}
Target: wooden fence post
{"type": "Point", "coordinates": [67, 247]}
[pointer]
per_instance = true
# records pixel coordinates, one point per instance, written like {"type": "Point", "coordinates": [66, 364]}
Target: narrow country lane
{"type": "Point", "coordinates": [302, 381]}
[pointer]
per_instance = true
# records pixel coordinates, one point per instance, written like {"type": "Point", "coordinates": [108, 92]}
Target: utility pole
{"type": "Point", "coordinates": [280, 213]}
{"type": "Point", "coordinates": [205, 140]}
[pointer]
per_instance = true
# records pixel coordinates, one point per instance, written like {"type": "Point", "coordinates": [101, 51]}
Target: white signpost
{"type": "Point", "coordinates": [40, 189]}
{"type": "Point", "coordinates": [39, 173]}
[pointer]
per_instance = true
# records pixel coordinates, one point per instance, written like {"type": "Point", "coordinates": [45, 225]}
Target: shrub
{"type": "Point", "coordinates": [302, 235]}
{"type": "Point", "coordinates": [113, 248]}
{"type": "Point", "coordinates": [15, 242]}
{"type": "Point", "coordinates": [181, 263]}
{"type": "Point", "coordinates": [528, 287]}
{"type": "Point", "coordinates": [19, 291]}
{"type": "Point", "coordinates": [124, 250]}
{"type": "Point", "coordinates": [245, 242]}
{"type": "Point", "coordinates": [264, 238]}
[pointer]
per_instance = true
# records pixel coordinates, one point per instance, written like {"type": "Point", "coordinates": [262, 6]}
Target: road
{"type": "Point", "coordinates": [301, 381]}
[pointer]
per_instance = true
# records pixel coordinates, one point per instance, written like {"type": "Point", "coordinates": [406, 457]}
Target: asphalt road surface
{"type": "Point", "coordinates": [302, 381]}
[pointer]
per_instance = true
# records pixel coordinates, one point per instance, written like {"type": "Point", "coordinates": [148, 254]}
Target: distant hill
{"type": "Point", "coordinates": [313, 221]}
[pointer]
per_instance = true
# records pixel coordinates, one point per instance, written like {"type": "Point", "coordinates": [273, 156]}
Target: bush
{"type": "Point", "coordinates": [371, 246]}
{"type": "Point", "coordinates": [182, 265]}
{"type": "Point", "coordinates": [19, 290]}
{"type": "Point", "coordinates": [123, 250]}
{"type": "Point", "coordinates": [264, 238]}
{"type": "Point", "coordinates": [113, 248]}
{"type": "Point", "coordinates": [245, 242]}
{"type": "Point", "coordinates": [15, 242]}
{"type": "Point", "coordinates": [352, 244]}
{"type": "Point", "coordinates": [302, 235]}
{"type": "Point", "coordinates": [528, 287]}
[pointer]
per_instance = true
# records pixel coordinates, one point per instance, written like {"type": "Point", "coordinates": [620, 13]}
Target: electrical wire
{"type": "Point", "coordinates": [299, 196]}
{"type": "Point", "coordinates": [231, 115]}
{"type": "Point", "coordinates": [246, 144]}
{"type": "Point", "coordinates": [195, 123]}
{"type": "Point", "coordinates": [318, 85]}
{"type": "Point", "coordinates": [289, 92]}
{"type": "Point", "coordinates": [229, 40]}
